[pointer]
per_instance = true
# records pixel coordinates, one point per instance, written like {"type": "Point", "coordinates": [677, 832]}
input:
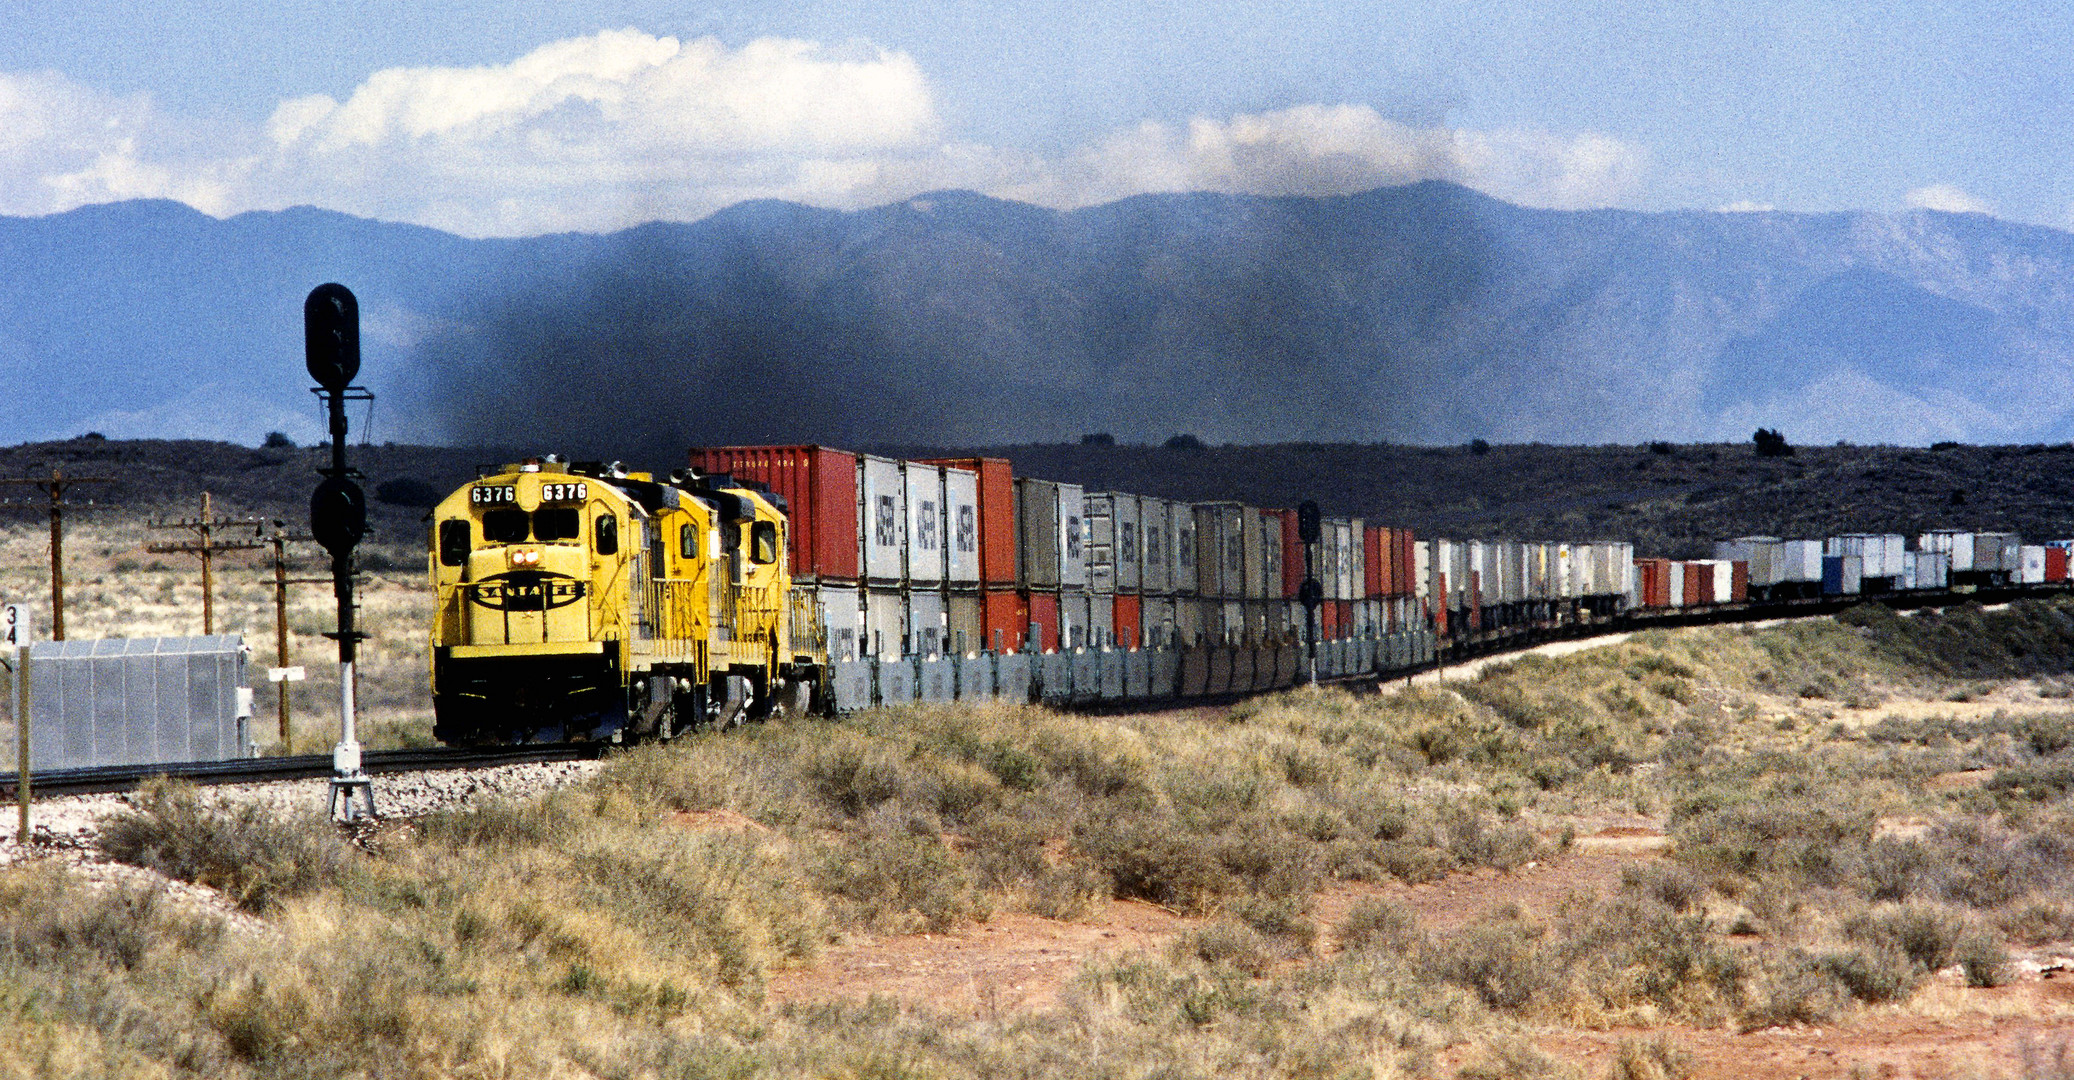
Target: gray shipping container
{"type": "Point", "coordinates": [965, 615]}
{"type": "Point", "coordinates": [1760, 552]}
{"type": "Point", "coordinates": [1076, 617]}
{"type": "Point", "coordinates": [1156, 545]}
{"type": "Point", "coordinates": [1252, 554]}
{"type": "Point", "coordinates": [1220, 554]}
{"type": "Point", "coordinates": [1183, 570]}
{"type": "Point", "coordinates": [883, 497]}
{"type": "Point", "coordinates": [138, 701]}
{"type": "Point", "coordinates": [1051, 544]}
{"type": "Point", "coordinates": [1130, 552]}
{"type": "Point", "coordinates": [1998, 551]}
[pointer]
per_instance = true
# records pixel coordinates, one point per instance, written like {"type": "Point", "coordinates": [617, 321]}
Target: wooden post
{"type": "Point", "coordinates": [21, 741]}
{"type": "Point", "coordinates": [206, 546]}
{"type": "Point", "coordinates": [280, 540]}
{"type": "Point", "coordinates": [55, 487]}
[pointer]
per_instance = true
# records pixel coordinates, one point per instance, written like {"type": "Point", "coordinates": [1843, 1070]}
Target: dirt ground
{"type": "Point", "coordinates": [1018, 963]}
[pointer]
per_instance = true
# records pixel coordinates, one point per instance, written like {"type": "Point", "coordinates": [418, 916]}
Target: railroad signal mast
{"type": "Point", "coordinates": [338, 518]}
{"type": "Point", "coordinates": [1309, 529]}
{"type": "Point", "coordinates": [55, 486]}
{"type": "Point", "coordinates": [206, 546]}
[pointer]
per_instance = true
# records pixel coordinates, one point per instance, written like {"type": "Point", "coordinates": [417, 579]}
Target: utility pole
{"type": "Point", "coordinates": [282, 674]}
{"type": "Point", "coordinates": [55, 487]}
{"type": "Point", "coordinates": [206, 546]}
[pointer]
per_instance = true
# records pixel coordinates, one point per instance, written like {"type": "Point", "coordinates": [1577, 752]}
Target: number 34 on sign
{"type": "Point", "coordinates": [17, 625]}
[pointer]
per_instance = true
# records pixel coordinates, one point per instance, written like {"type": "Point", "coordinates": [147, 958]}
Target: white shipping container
{"type": "Point", "coordinates": [1677, 576]}
{"type": "Point", "coordinates": [927, 623]}
{"type": "Point", "coordinates": [2033, 572]}
{"type": "Point", "coordinates": [1422, 572]}
{"type": "Point", "coordinates": [1724, 580]}
{"type": "Point", "coordinates": [885, 623]}
{"type": "Point", "coordinates": [961, 512]}
{"type": "Point", "coordinates": [1356, 585]}
{"type": "Point", "coordinates": [1800, 560]}
{"type": "Point", "coordinates": [1932, 569]}
{"type": "Point", "coordinates": [1155, 541]}
{"type": "Point", "coordinates": [842, 619]}
{"type": "Point", "coordinates": [883, 501]}
{"type": "Point", "coordinates": [926, 559]}
{"type": "Point", "coordinates": [1952, 542]}
{"type": "Point", "coordinates": [1102, 571]}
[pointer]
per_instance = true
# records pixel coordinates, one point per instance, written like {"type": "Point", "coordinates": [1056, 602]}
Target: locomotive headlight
{"type": "Point", "coordinates": [525, 557]}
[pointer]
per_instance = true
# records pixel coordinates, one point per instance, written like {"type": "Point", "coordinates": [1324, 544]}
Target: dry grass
{"type": "Point", "coordinates": [588, 932]}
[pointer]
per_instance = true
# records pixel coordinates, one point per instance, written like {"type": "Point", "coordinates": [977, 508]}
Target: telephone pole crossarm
{"type": "Point", "coordinates": [206, 547]}
{"type": "Point", "coordinates": [55, 486]}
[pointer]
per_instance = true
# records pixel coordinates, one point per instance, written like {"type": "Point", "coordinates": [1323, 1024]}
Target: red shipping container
{"type": "Point", "coordinates": [1346, 617]}
{"type": "Point", "coordinates": [1698, 583]}
{"type": "Point", "coordinates": [1126, 620]}
{"type": "Point", "coordinates": [1005, 617]}
{"type": "Point", "coordinates": [1328, 621]}
{"type": "Point", "coordinates": [996, 516]}
{"type": "Point", "coordinates": [1655, 575]}
{"type": "Point", "coordinates": [1042, 609]}
{"type": "Point", "coordinates": [1407, 563]}
{"type": "Point", "coordinates": [819, 486]}
{"type": "Point", "coordinates": [1372, 546]}
{"type": "Point", "coordinates": [2055, 564]}
{"type": "Point", "coordinates": [1739, 581]}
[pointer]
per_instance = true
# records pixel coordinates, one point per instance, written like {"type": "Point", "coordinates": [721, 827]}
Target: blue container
{"type": "Point", "coordinates": [1832, 575]}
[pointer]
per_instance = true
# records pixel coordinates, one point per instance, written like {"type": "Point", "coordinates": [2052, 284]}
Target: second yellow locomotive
{"type": "Point", "coordinates": [591, 603]}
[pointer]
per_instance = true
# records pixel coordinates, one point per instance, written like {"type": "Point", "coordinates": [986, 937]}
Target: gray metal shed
{"type": "Point", "coordinates": [138, 701]}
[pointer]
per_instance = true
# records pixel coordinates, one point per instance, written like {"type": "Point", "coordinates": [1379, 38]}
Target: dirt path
{"type": "Point", "coordinates": [1020, 962]}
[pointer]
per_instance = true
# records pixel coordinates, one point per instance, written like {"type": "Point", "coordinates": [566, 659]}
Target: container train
{"type": "Point", "coordinates": [590, 603]}
{"type": "Point", "coordinates": [838, 581]}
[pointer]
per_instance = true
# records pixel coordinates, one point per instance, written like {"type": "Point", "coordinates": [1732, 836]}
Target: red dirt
{"type": "Point", "coordinates": [1019, 963]}
{"type": "Point", "coordinates": [1014, 963]}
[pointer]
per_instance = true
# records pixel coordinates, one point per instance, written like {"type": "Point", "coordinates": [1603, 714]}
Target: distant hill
{"type": "Point", "coordinates": [1672, 502]}
{"type": "Point", "coordinates": [1418, 314]}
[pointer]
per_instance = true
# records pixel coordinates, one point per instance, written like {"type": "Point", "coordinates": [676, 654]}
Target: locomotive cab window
{"type": "Point", "coordinates": [763, 542]}
{"type": "Point", "coordinates": [607, 539]}
{"type": "Point", "coordinates": [688, 542]}
{"type": "Point", "coordinates": [507, 526]}
{"type": "Point", "coordinates": [557, 523]}
{"type": "Point", "coordinates": [454, 542]}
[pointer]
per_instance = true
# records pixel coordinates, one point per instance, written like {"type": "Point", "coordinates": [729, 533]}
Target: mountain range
{"type": "Point", "coordinates": [1418, 314]}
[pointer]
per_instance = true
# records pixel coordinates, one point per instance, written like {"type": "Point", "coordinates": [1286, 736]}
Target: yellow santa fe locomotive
{"type": "Point", "coordinates": [590, 603]}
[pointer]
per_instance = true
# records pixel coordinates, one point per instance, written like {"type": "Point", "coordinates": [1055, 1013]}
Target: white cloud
{"type": "Point", "coordinates": [605, 131]}
{"type": "Point", "coordinates": [1945, 197]}
{"type": "Point", "coordinates": [1332, 150]}
{"type": "Point", "coordinates": [1745, 206]}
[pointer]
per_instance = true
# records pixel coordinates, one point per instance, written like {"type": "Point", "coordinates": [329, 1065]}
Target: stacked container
{"type": "Point", "coordinates": [1051, 562]}
{"type": "Point", "coordinates": [821, 487]}
{"type": "Point", "coordinates": [980, 496]}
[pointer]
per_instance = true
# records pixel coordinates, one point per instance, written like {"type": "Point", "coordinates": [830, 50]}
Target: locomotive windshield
{"type": "Point", "coordinates": [510, 525]}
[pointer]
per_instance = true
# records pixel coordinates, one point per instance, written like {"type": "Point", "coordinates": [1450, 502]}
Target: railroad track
{"type": "Point", "coordinates": [301, 767]}
{"type": "Point", "coordinates": [1493, 643]}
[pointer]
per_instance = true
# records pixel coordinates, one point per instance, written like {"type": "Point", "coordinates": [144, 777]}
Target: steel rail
{"type": "Point", "coordinates": [1496, 642]}
{"type": "Point", "coordinates": [107, 778]}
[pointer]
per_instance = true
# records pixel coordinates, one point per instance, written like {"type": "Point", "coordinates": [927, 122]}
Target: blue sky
{"type": "Point", "coordinates": [524, 116]}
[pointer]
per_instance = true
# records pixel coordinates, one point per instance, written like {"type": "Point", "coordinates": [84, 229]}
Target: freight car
{"type": "Point", "coordinates": [591, 603]}
{"type": "Point", "coordinates": [840, 580]}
